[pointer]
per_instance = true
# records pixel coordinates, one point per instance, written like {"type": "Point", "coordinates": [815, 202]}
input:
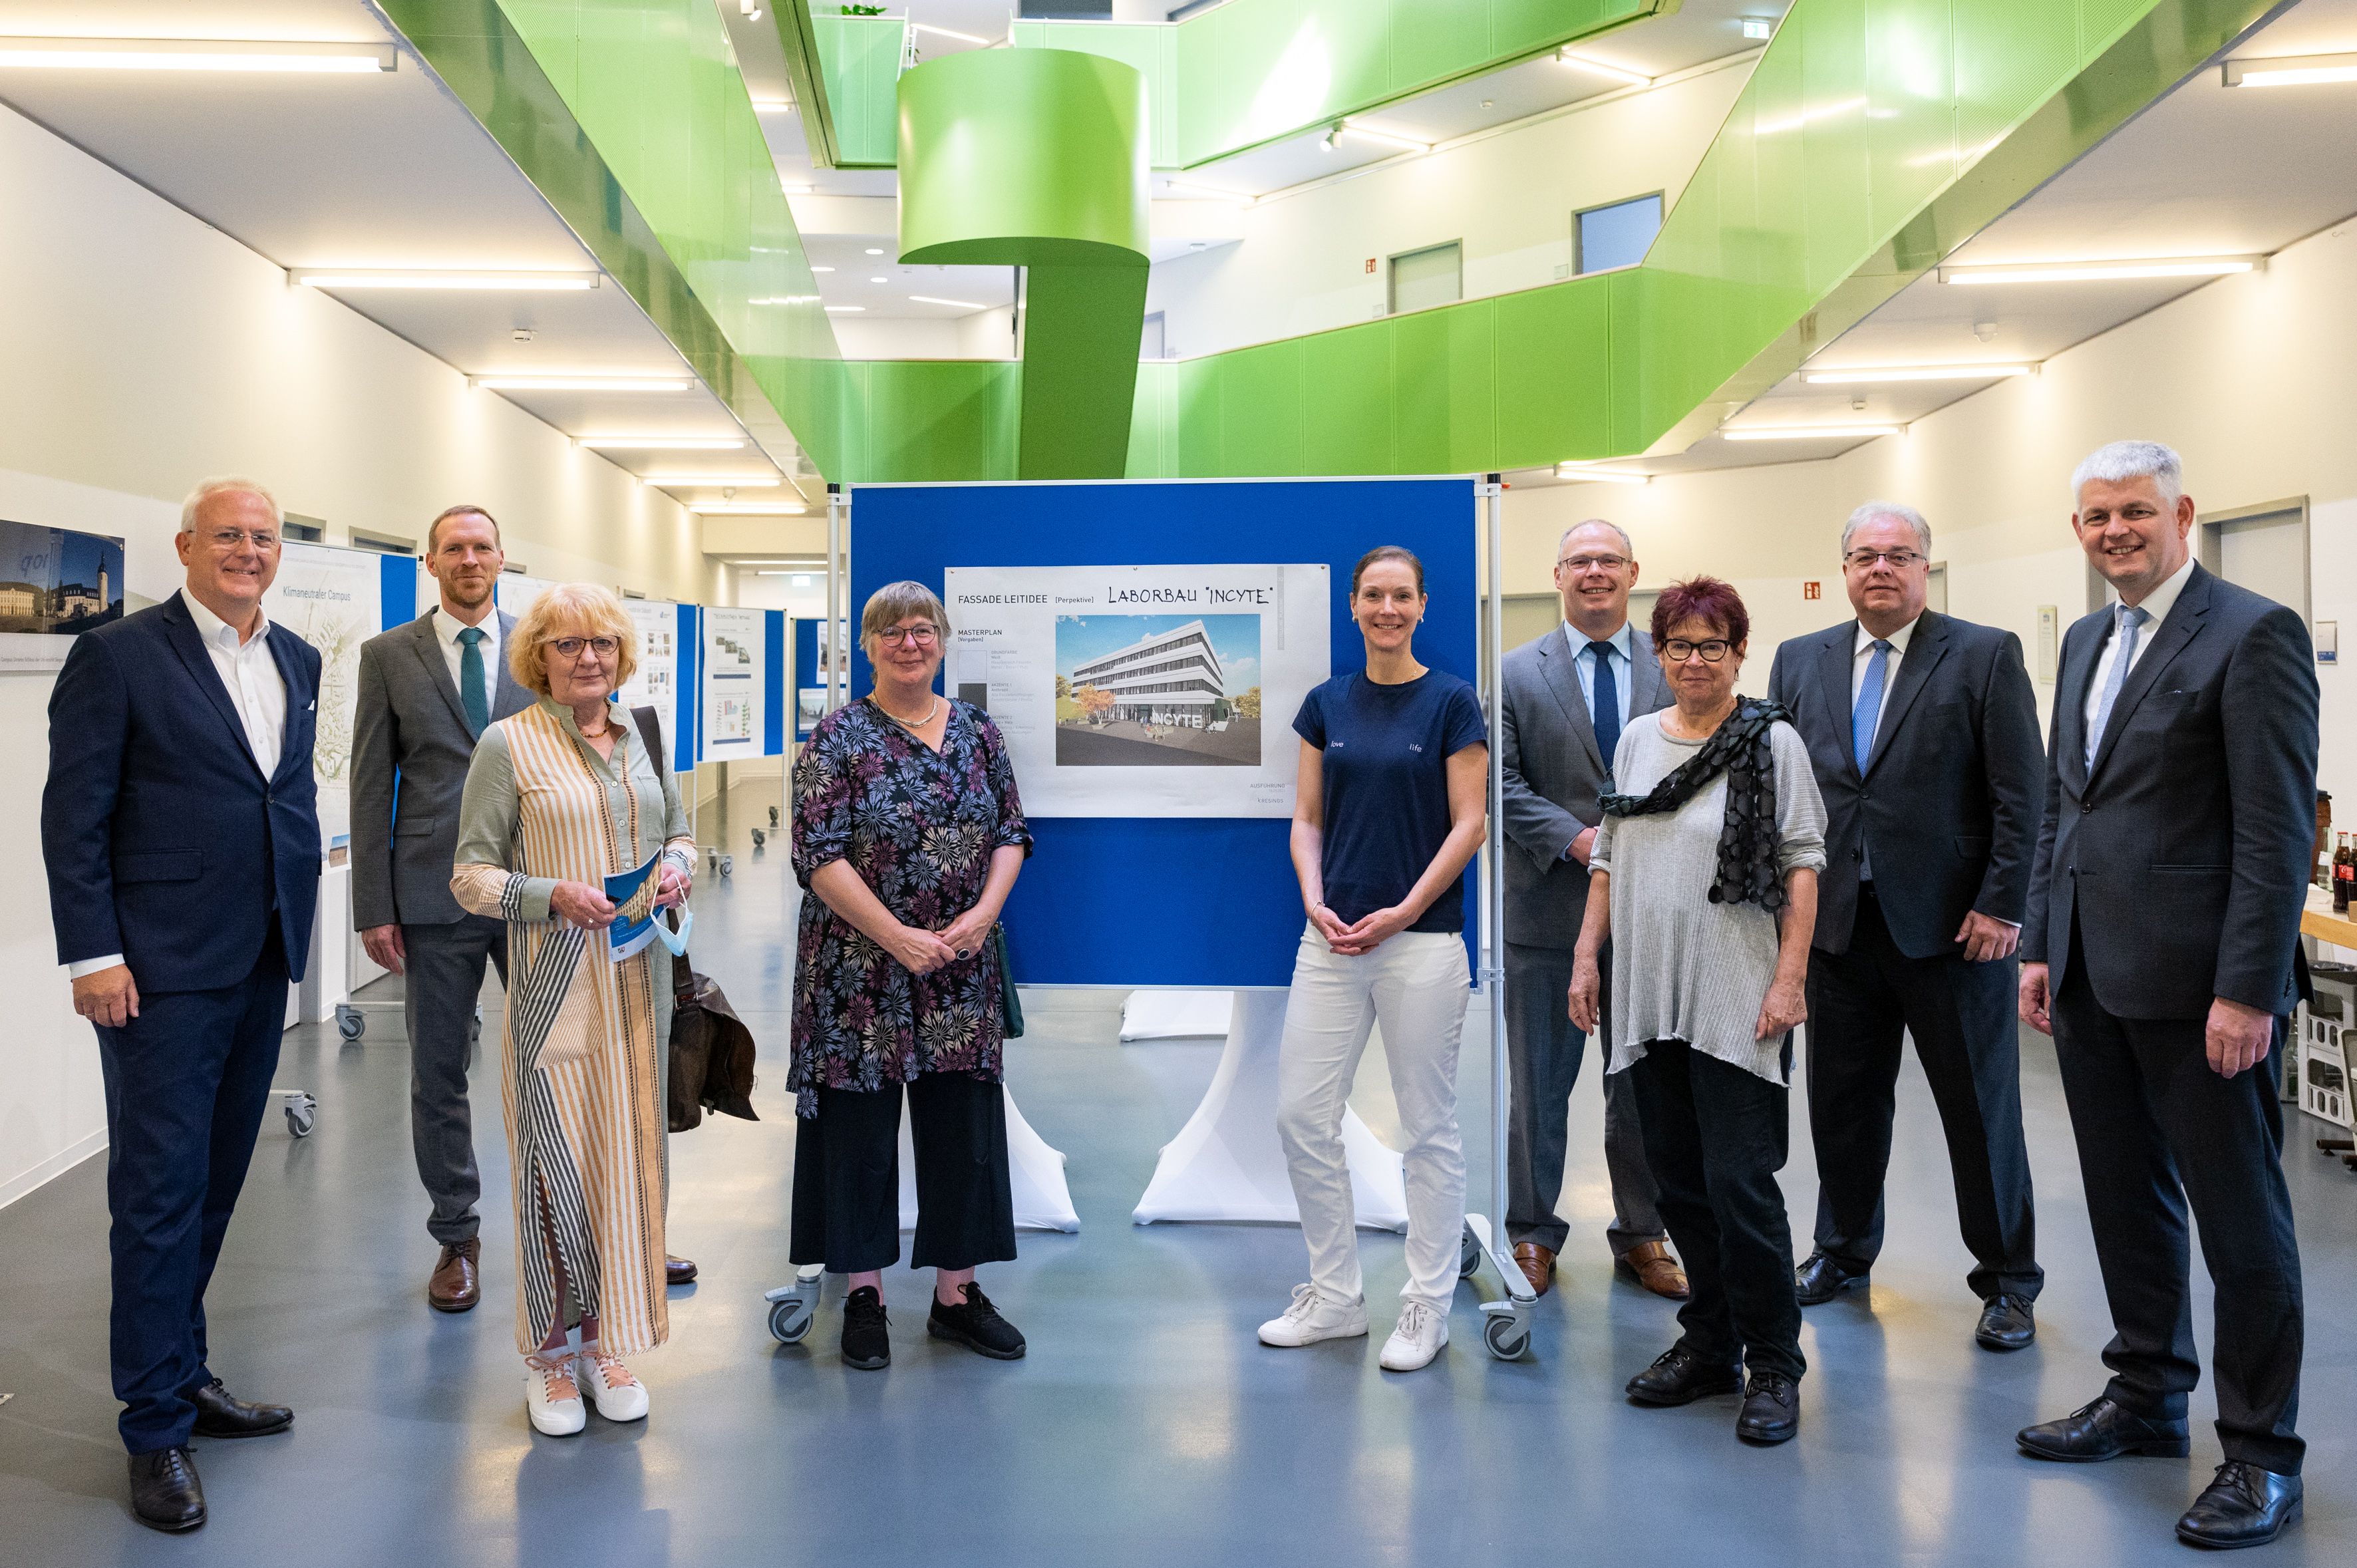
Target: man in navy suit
{"type": "Point", "coordinates": [2161, 950]}
{"type": "Point", "coordinates": [182, 841]}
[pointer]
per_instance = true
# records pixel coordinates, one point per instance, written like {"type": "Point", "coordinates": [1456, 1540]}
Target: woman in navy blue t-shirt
{"type": "Point", "coordinates": [1395, 769]}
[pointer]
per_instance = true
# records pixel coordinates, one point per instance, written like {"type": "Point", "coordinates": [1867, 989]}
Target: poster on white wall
{"type": "Point", "coordinates": [1141, 691]}
{"type": "Point", "coordinates": [334, 600]}
{"type": "Point", "coordinates": [655, 684]}
{"type": "Point", "coordinates": [54, 584]}
{"type": "Point", "coordinates": [735, 683]}
{"type": "Point", "coordinates": [516, 592]}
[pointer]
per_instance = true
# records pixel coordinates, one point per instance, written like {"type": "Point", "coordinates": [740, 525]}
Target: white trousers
{"type": "Point", "coordinates": [1414, 986]}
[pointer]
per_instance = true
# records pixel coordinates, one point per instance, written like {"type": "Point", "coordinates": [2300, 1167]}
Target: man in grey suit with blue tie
{"type": "Point", "coordinates": [1564, 700]}
{"type": "Point", "coordinates": [427, 691]}
{"type": "Point", "coordinates": [2161, 950]}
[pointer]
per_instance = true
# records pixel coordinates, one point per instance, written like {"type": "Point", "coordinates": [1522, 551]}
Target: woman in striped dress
{"type": "Point", "coordinates": [558, 797]}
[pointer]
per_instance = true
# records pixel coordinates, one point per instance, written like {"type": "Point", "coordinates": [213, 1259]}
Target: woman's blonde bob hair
{"type": "Point", "coordinates": [893, 603]}
{"type": "Point", "coordinates": [570, 609]}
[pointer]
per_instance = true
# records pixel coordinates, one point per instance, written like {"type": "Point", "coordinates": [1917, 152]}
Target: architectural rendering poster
{"type": "Point", "coordinates": [1143, 690]}
{"type": "Point", "coordinates": [735, 683]}
{"type": "Point", "coordinates": [655, 684]}
{"type": "Point", "coordinates": [334, 600]}
{"type": "Point", "coordinates": [515, 592]}
{"type": "Point", "coordinates": [53, 584]}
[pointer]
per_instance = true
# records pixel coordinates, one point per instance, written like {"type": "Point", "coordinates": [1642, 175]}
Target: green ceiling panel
{"type": "Point", "coordinates": [1437, 39]}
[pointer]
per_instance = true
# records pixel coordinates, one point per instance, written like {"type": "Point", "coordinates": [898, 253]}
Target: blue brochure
{"type": "Point", "coordinates": [637, 922]}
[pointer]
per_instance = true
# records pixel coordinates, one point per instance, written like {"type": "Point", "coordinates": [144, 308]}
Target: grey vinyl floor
{"type": "Point", "coordinates": [1146, 1424]}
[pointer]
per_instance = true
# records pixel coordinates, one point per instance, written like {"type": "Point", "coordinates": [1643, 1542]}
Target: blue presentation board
{"type": "Point", "coordinates": [806, 671]}
{"type": "Point", "coordinates": [400, 580]}
{"type": "Point", "coordinates": [1175, 901]}
{"type": "Point", "coordinates": [684, 736]}
{"type": "Point", "coordinates": [777, 698]}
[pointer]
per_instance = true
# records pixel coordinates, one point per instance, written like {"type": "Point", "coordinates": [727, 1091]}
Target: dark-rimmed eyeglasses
{"type": "Point", "coordinates": [570, 647]}
{"type": "Point", "coordinates": [914, 636]}
{"type": "Point", "coordinates": [1712, 649]}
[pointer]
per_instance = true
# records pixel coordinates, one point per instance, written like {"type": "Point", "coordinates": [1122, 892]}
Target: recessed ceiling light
{"type": "Point", "coordinates": [195, 54]}
{"type": "Point", "coordinates": [2105, 272]}
{"type": "Point", "coordinates": [1915, 373]}
{"type": "Point", "coordinates": [875, 250]}
{"type": "Point", "coordinates": [742, 481]}
{"type": "Point", "coordinates": [661, 444]}
{"type": "Point", "coordinates": [582, 383]}
{"type": "Point", "coordinates": [958, 303]}
{"type": "Point", "coordinates": [844, 309]}
{"type": "Point", "coordinates": [747, 509]}
{"type": "Point", "coordinates": [2291, 70]}
{"type": "Point", "coordinates": [879, 280]}
{"type": "Point", "coordinates": [1809, 432]}
{"type": "Point", "coordinates": [1615, 72]}
{"type": "Point", "coordinates": [419, 277]}
{"type": "Point", "coordinates": [1584, 473]}
{"type": "Point", "coordinates": [822, 269]}
{"type": "Point", "coordinates": [771, 106]}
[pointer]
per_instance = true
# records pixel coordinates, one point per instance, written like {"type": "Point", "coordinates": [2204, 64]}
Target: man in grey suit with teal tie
{"type": "Point", "coordinates": [427, 689]}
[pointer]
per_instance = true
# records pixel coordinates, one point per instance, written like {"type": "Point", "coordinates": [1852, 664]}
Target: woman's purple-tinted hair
{"type": "Point", "coordinates": [1706, 599]}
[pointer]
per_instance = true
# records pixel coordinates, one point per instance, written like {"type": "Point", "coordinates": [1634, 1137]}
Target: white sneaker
{"type": "Point", "coordinates": [1418, 1338]}
{"type": "Point", "coordinates": [619, 1395]}
{"type": "Point", "coordinates": [1312, 1317]}
{"type": "Point", "coordinates": [551, 1397]}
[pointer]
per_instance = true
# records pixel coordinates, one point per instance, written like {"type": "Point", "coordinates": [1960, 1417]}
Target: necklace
{"type": "Point", "coordinates": [907, 724]}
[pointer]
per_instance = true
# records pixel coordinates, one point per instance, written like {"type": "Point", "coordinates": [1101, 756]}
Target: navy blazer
{"type": "Point", "coordinates": [1946, 807]}
{"type": "Point", "coordinates": [2183, 855]}
{"type": "Point", "coordinates": [166, 840]}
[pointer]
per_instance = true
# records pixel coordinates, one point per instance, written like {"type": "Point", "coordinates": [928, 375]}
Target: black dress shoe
{"type": "Point", "coordinates": [975, 1324]}
{"type": "Point", "coordinates": [2104, 1430]}
{"type": "Point", "coordinates": [1771, 1410]}
{"type": "Point", "coordinates": [678, 1271]}
{"type": "Point", "coordinates": [2243, 1506]}
{"type": "Point", "coordinates": [1678, 1376]}
{"type": "Point", "coordinates": [867, 1330]}
{"type": "Point", "coordinates": [166, 1494]}
{"type": "Point", "coordinates": [1820, 1279]}
{"type": "Point", "coordinates": [220, 1414]}
{"type": "Point", "coordinates": [2006, 1324]}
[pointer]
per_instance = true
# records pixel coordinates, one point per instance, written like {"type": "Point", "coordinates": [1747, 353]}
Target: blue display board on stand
{"type": "Point", "coordinates": [400, 582]}
{"type": "Point", "coordinates": [1174, 901]}
{"type": "Point", "coordinates": [805, 672]}
{"type": "Point", "coordinates": [776, 700]}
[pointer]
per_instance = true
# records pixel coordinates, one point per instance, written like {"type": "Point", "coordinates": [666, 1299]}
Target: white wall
{"type": "Point", "coordinates": [1508, 198]}
{"type": "Point", "coordinates": [144, 351]}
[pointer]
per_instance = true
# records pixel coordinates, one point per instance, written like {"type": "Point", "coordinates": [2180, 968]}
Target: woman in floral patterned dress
{"type": "Point", "coordinates": [907, 838]}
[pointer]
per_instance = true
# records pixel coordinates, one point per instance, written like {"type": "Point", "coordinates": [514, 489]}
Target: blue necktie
{"type": "Point", "coordinates": [1605, 709]}
{"type": "Point", "coordinates": [473, 694]}
{"type": "Point", "coordinates": [2130, 620]}
{"type": "Point", "coordinates": [1867, 710]}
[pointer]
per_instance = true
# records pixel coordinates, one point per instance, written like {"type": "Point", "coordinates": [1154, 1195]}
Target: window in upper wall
{"type": "Point", "coordinates": [1616, 235]}
{"type": "Point", "coordinates": [1434, 275]}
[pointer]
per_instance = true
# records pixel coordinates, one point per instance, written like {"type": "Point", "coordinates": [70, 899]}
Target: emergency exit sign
{"type": "Point", "coordinates": [1813, 590]}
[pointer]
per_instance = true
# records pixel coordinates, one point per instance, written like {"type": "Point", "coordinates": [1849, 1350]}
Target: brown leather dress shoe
{"type": "Point", "coordinates": [1537, 1265]}
{"type": "Point", "coordinates": [456, 1286]}
{"type": "Point", "coordinates": [1651, 1265]}
{"type": "Point", "coordinates": [678, 1270]}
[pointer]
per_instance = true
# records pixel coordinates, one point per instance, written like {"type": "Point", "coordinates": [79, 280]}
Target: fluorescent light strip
{"type": "Point", "coordinates": [1617, 73]}
{"type": "Point", "coordinates": [2105, 272]}
{"type": "Point", "coordinates": [582, 383]}
{"type": "Point", "coordinates": [661, 444]}
{"type": "Point", "coordinates": [960, 303]}
{"type": "Point", "coordinates": [844, 309]}
{"type": "Point", "coordinates": [742, 481]}
{"type": "Point", "coordinates": [353, 277]}
{"type": "Point", "coordinates": [1383, 138]}
{"type": "Point", "coordinates": [944, 32]}
{"type": "Point", "coordinates": [747, 509]}
{"type": "Point", "coordinates": [762, 106]}
{"type": "Point", "coordinates": [1580, 473]}
{"type": "Point", "coordinates": [1243, 196]}
{"type": "Point", "coordinates": [785, 299]}
{"type": "Point", "coordinates": [1915, 373]}
{"type": "Point", "coordinates": [2291, 70]}
{"type": "Point", "coordinates": [196, 54]}
{"type": "Point", "coordinates": [1809, 431]}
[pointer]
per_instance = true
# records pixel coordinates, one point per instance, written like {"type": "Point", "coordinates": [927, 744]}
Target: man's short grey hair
{"type": "Point", "coordinates": [2123, 461]}
{"type": "Point", "coordinates": [1617, 533]}
{"type": "Point", "coordinates": [1906, 514]}
{"type": "Point", "coordinates": [220, 485]}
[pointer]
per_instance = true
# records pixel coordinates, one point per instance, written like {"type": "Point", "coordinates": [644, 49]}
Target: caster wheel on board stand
{"type": "Point", "coordinates": [727, 865]}
{"type": "Point", "coordinates": [349, 1022]}
{"type": "Point", "coordinates": [760, 839]}
{"type": "Point", "coordinates": [789, 1321]}
{"type": "Point", "coordinates": [1469, 1255]}
{"type": "Point", "coordinates": [302, 1114]}
{"type": "Point", "coordinates": [1508, 1339]}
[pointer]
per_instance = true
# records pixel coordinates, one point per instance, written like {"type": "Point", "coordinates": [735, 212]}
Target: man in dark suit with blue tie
{"type": "Point", "coordinates": [181, 835]}
{"type": "Point", "coordinates": [2163, 952]}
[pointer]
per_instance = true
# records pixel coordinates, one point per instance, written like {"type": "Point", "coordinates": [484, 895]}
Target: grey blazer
{"type": "Point", "coordinates": [409, 724]}
{"type": "Point", "coordinates": [1553, 775]}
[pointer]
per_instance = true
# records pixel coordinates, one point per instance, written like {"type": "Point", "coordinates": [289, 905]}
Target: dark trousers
{"type": "Point", "coordinates": [186, 1082]}
{"type": "Point", "coordinates": [846, 1207]}
{"type": "Point", "coordinates": [1967, 1037]}
{"type": "Point", "coordinates": [2158, 1129]}
{"type": "Point", "coordinates": [1543, 1060]}
{"type": "Point", "coordinates": [1716, 1135]}
{"type": "Point", "coordinates": [443, 976]}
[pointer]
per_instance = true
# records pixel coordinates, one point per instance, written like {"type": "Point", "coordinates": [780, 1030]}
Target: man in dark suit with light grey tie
{"type": "Point", "coordinates": [2161, 950]}
{"type": "Point", "coordinates": [1564, 700]}
{"type": "Point", "coordinates": [427, 689]}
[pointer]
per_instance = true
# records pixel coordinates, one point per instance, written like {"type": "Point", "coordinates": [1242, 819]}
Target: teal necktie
{"type": "Point", "coordinates": [473, 693]}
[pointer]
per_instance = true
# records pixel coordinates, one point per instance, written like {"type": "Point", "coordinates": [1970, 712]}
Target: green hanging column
{"type": "Point", "coordinates": [1037, 158]}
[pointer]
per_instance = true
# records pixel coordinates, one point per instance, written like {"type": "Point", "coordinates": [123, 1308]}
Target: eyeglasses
{"type": "Point", "coordinates": [1594, 563]}
{"type": "Point", "coordinates": [1864, 560]}
{"type": "Point", "coordinates": [227, 538]}
{"type": "Point", "coordinates": [914, 636]}
{"type": "Point", "coordinates": [605, 648]}
{"type": "Point", "coordinates": [1712, 650]}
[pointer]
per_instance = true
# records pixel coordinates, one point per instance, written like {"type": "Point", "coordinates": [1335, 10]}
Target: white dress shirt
{"type": "Point", "coordinates": [447, 627]}
{"type": "Point", "coordinates": [256, 690]}
{"type": "Point", "coordinates": [2156, 604]}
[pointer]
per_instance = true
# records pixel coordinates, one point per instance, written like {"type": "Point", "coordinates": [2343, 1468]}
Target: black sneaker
{"type": "Point", "coordinates": [976, 1325]}
{"type": "Point", "coordinates": [867, 1338]}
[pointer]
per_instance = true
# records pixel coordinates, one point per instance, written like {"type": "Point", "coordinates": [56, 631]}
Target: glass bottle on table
{"type": "Point", "coordinates": [2344, 873]}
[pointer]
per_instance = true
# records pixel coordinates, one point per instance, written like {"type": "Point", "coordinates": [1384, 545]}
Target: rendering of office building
{"type": "Point", "coordinates": [1171, 678]}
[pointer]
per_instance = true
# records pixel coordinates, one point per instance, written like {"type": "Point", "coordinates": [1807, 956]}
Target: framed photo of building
{"type": "Point", "coordinates": [54, 584]}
